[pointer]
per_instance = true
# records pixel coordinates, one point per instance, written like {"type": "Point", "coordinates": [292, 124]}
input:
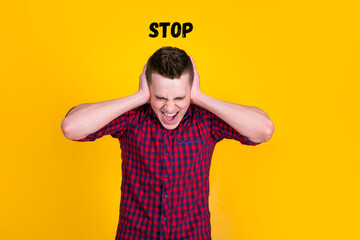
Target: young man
{"type": "Point", "coordinates": [167, 133]}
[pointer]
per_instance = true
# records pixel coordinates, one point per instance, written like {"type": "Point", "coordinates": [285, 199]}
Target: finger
{"type": "Point", "coordinates": [192, 61]}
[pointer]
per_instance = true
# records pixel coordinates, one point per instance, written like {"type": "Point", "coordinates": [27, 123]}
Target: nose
{"type": "Point", "coordinates": [170, 106]}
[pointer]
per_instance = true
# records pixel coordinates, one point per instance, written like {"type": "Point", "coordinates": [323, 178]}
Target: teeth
{"type": "Point", "coordinates": [169, 115]}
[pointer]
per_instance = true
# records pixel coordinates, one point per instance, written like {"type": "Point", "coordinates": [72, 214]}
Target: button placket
{"type": "Point", "coordinates": [164, 185]}
{"type": "Point", "coordinates": [167, 150]}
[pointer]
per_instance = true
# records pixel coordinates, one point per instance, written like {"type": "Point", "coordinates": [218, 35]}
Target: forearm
{"type": "Point", "coordinates": [88, 118]}
{"type": "Point", "coordinates": [249, 121]}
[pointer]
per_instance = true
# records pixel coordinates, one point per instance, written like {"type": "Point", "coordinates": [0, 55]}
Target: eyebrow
{"type": "Point", "coordinates": [159, 97]}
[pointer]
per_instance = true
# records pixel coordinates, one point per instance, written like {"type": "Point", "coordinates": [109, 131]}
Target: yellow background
{"type": "Point", "coordinates": [296, 60]}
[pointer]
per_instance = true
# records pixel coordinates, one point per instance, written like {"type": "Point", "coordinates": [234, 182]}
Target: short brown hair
{"type": "Point", "coordinates": [170, 62]}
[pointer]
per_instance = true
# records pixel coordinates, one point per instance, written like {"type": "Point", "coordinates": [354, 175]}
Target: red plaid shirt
{"type": "Point", "coordinates": [165, 173]}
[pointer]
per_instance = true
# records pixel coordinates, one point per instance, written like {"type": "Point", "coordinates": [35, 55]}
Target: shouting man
{"type": "Point", "coordinates": [167, 133]}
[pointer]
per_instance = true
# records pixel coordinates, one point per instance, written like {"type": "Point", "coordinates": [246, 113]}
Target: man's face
{"type": "Point", "coordinates": [170, 98]}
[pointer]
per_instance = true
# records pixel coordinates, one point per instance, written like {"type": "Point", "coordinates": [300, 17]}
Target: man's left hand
{"type": "Point", "coordinates": [195, 88]}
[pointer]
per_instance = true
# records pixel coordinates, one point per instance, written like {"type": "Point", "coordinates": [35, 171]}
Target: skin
{"type": "Point", "coordinates": [169, 96]}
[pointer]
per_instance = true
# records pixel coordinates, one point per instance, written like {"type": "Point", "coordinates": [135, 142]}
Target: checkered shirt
{"type": "Point", "coordinates": [165, 173]}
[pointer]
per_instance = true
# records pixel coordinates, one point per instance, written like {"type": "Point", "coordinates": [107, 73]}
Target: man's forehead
{"type": "Point", "coordinates": [163, 85]}
{"type": "Point", "coordinates": [183, 75]}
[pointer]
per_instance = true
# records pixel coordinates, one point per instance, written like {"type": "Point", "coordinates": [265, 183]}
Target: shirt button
{"type": "Point", "coordinates": [166, 175]}
{"type": "Point", "coordinates": [164, 218]}
{"type": "Point", "coordinates": [166, 196]}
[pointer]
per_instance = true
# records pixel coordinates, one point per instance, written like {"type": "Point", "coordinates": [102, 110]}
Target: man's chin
{"type": "Point", "coordinates": [170, 127]}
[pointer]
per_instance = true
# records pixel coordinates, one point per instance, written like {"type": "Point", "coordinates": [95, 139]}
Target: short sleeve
{"type": "Point", "coordinates": [220, 130]}
{"type": "Point", "coordinates": [116, 128]}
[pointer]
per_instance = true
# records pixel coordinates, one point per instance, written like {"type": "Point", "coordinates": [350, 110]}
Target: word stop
{"type": "Point", "coordinates": [176, 29]}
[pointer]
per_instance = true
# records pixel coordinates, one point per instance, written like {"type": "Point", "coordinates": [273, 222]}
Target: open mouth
{"type": "Point", "coordinates": [170, 118]}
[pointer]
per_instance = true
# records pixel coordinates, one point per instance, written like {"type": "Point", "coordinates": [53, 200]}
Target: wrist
{"type": "Point", "coordinates": [196, 98]}
{"type": "Point", "coordinates": [144, 97]}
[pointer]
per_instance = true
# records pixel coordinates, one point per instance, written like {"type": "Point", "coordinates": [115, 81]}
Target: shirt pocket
{"type": "Point", "coordinates": [187, 149]}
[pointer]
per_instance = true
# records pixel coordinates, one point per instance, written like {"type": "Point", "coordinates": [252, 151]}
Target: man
{"type": "Point", "coordinates": [167, 133]}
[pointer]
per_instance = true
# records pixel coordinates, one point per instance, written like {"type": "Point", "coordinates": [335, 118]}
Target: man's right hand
{"type": "Point", "coordinates": [144, 89]}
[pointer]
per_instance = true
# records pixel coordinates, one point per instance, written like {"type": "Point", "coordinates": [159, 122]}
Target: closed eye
{"type": "Point", "coordinates": [179, 98]}
{"type": "Point", "coordinates": [163, 98]}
